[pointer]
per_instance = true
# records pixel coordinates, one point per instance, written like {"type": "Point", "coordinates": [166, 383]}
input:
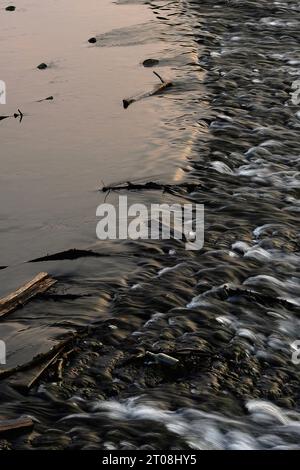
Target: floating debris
{"type": "Point", "coordinates": [158, 89]}
{"type": "Point", "coordinates": [19, 114]}
{"type": "Point", "coordinates": [10, 8]}
{"type": "Point", "coordinates": [25, 377]}
{"type": "Point", "coordinates": [152, 185]}
{"type": "Point", "coordinates": [37, 285]}
{"type": "Point", "coordinates": [92, 40]}
{"type": "Point", "coordinates": [50, 98]}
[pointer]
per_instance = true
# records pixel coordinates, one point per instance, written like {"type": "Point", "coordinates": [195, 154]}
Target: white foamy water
{"type": "Point", "coordinates": [264, 425]}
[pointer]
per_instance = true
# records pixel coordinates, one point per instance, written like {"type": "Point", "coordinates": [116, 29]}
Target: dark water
{"type": "Point", "coordinates": [230, 312]}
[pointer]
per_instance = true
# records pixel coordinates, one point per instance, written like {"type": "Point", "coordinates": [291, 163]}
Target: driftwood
{"type": "Point", "coordinates": [24, 380]}
{"type": "Point", "coordinates": [9, 426]}
{"type": "Point", "coordinates": [19, 114]}
{"type": "Point", "coordinates": [49, 98]}
{"type": "Point", "coordinates": [158, 89]}
{"type": "Point", "coordinates": [25, 376]}
{"type": "Point", "coordinates": [151, 185]}
{"type": "Point", "coordinates": [37, 285]}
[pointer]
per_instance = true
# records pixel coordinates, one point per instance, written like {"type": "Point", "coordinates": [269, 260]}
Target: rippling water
{"type": "Point", "coordinates": [229, 313]}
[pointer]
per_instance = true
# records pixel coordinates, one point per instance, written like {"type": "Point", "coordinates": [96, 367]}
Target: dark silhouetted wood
{"type": "Point", "coordinates": [37, 285]}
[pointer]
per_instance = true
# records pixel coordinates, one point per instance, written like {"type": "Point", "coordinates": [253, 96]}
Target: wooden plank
{"type": "Point", "coordinates": [27, 374]}
{"type": "Point", "coordinates": [13, 425]}
{"type": "Point", "coordinates": [37, 285]}
{"type": "Point", "coordinates": [24, 380]}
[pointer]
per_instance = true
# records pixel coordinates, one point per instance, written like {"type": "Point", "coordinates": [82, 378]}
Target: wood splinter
{"type": "Point", "coordinates": [158, 89]}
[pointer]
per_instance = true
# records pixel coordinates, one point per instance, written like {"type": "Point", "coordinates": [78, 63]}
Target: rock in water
{"type": "Point", "coordinates": [42, 66]}
{"type": "Point", "coordinates": [10, 8]}
{"type": "Point", "coordinates": [150, 62]}
{"type": "Point", "coordinates": [92, 40]}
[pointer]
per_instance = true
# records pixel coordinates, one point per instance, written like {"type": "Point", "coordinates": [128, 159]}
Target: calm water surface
{"type": "Point", "coordinates": [53, 162]}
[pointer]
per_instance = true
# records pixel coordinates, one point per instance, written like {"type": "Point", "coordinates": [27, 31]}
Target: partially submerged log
{"type": "Point", "coordinates": [25, 378]}
{"type": "Point", "coordinates": [9, 426]}
{"type": "Point", "coordinates": [152, 185]}
{"type": "Point", "coordinates": [37, 285]}
{"type": "Point", "coordinates": [158, 89]}
{"type": "Point", "coordinates": [26, 375]}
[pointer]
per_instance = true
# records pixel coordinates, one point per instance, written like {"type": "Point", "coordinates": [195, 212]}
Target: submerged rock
{"type": "Point", "coordinates": [150, 62]}
{"type": "Point", "coordinates": [42, 66]}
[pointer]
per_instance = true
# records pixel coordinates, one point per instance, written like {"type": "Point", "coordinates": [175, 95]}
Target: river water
{"type": "Point", "coordinates": [54, 161]}
{"type": "Point", "coordinates": [230, 312]}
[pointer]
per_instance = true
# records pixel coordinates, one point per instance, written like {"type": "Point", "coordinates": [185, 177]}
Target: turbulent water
{"type": "Point", "coordinates": [230, 312]}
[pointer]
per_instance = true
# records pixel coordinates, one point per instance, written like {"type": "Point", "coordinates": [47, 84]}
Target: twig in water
{"type": "Point", "coordinates": [15, 115]}
{"type": "Point", "coordinates": [161, 79]}
{"type": "Point", "coordinates": [158, 89]}
{"type": "Point", "coordinates": [152, 185]}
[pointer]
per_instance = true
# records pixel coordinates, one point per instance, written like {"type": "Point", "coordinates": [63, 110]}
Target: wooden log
{"type": "Point", "coordinates": [9, 426]}
{"type": "Point", "coordinates": [152, 185]}
{"type": "Point", "coordinates": [37, 285]}
{"type": "Point", "coordinates": [158, 89]}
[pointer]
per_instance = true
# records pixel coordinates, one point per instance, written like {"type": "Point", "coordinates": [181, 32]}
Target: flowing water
{"type": "Point", "coordinates": [230, 312]}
